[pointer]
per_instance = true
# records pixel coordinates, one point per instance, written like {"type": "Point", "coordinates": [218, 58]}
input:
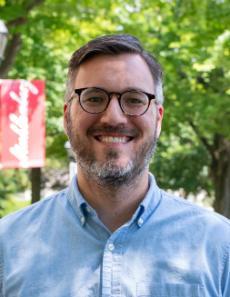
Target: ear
{"type": "Point", "coordinates": [65, 110]}
{"type": "Point", "coordinates": [160, 113]}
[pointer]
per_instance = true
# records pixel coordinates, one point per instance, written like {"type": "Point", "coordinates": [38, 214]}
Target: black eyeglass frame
{"type": "Point", "coordinates": [109, 94]}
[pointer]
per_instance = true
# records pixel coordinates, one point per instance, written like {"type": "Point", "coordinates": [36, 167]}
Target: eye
{"type": "Point", "coordinates": [134, 101]}
{"type": "Point", "coordinates": [93, 100]}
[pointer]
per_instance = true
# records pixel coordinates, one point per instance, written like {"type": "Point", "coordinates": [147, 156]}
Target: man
{"type": "Point", "coordinates": [113, 232]}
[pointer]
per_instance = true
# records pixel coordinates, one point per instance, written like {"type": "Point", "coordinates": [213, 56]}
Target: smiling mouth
{"type": "Point", "coordinates": [113, 139]}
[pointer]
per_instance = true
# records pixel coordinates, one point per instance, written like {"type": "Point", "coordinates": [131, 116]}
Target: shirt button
{"type": "Point", "coordinates": [140, 222]}
{"type": "Point", "coordinates": [82, 220]}
{"type": "Point", "coordinates": [111, 247]}
{"type": "Point", "coordinates": [88, 209]}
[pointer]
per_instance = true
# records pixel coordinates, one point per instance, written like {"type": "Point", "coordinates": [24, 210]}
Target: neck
{"type": "Point", "coordinates": [114, 205]}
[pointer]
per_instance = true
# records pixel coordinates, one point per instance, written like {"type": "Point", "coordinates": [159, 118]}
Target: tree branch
{"type": "Point", "coordinates": [23, 19]}
{"type": "Point", "coordinates": [15, 41]}
{"type": "Point", "coordinates": [17, 22]}
{"type": "Point", "coordinates": [32, 4]}
{"type": "Point", "coordinates": [203, 140]}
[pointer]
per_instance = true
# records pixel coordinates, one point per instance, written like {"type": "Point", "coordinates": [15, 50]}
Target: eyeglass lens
{"type": "Point", "coordinates": [132, 102]}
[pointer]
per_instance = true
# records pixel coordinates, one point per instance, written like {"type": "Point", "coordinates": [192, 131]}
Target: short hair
{"type": "Point", "coordinates": [114, 45]}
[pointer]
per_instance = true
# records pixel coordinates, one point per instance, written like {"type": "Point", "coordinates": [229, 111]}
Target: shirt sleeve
{"type": "Point", "coordinates": [226, 275]}
{"type": "Point", "coordinates": [1, 270]}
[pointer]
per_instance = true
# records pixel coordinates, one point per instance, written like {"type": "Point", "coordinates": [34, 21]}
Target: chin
{"type": "Point", "coordinates": [119, 163]}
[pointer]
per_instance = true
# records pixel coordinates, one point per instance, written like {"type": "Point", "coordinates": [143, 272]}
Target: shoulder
{"type": "Point", "coordinates": [194, 216]}
{"type": "Point", "coordinates": [182, 205]}
{"type": "Point", "coordinates": [201, 229]}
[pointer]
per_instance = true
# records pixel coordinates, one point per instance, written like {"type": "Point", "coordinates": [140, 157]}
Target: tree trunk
{"type": "Point", "coordinates": [35, 184]}
{"type": "Point", "coordinates": [220, 173]}
{"type": "Point", "coordinates": [12, 49]}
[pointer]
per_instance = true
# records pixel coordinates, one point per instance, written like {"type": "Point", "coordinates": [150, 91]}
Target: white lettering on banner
{"type": "Point", "coordinates": [19, 123]}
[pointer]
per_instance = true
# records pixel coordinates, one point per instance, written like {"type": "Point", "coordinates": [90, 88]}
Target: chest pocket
{"type": "Point", "coordinates": [147, 289]}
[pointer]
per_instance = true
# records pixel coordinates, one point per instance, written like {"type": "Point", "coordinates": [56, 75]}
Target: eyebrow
{"type": "Point", "coordinates": [128, 89]}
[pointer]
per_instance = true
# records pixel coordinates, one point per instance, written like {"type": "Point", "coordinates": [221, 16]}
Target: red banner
{"type": "Point", "coordinates": [22, 123]}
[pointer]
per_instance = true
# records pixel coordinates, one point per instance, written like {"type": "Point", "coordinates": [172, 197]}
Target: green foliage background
{"type": "Point", "coordinates": [191, 40]}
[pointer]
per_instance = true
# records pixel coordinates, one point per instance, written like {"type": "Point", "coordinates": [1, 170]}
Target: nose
{"type": "Point", "coordinates": [113, 115]}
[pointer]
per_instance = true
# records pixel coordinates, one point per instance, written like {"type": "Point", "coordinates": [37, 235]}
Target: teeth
{"type": "Point", "coordinates": [113, 139]}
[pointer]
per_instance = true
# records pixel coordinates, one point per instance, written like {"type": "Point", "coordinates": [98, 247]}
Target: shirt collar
{"type": "Point", "coordinates": [145, 209]}
{"type": "Point", "coordinates": [76, 200]}
{"type": "Point", "coordinates": [149, 203]}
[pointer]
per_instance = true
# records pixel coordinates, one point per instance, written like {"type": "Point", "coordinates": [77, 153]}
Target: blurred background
{"type": "Point", "coordinates": [191, 39]}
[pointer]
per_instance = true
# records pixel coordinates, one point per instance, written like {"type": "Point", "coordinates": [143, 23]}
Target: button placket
{"type": "Point", "coordinates": [107, 272]}
{"type": "Point", "coordinates": [112, 263]}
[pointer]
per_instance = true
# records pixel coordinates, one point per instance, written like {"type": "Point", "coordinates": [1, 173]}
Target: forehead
{"type": "Point", "coordinates": [115, 73]}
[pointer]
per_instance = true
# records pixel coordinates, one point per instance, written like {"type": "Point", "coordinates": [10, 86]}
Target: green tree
{"type": "Point", "coordinates": [191, 38]}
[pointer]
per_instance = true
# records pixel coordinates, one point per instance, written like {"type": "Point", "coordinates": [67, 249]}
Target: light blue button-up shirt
{"type": "Point", "coordinates": [59, 248]}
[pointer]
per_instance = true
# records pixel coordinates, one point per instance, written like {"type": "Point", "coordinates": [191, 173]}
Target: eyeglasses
{"type": "Point", "coordinates": [96, 100]}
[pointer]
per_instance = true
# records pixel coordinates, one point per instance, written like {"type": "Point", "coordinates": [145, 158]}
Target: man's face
{"type": "Point", "coordinates": [111, 147]}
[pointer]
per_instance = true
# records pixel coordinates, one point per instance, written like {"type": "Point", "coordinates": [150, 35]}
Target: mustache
{"type": "Point", "coordinates": [119, 129]}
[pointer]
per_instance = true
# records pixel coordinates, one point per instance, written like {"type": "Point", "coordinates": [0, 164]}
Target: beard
{"type": "Point", "coordinates": [107, 172]}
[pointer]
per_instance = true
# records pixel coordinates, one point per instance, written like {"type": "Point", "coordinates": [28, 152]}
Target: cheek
{"type": "Point", "coordinates": [146, 125]}
{"type": "Point", "coordinates": [82, 121]}
{"type": "Point", "coordinates": [148, 121]}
